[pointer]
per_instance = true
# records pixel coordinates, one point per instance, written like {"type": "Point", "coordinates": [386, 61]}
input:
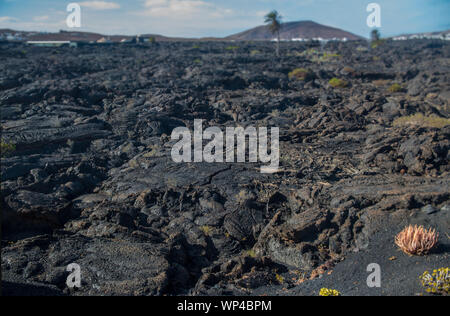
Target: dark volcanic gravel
{"type": "Point", "coordinates": [91, 180]}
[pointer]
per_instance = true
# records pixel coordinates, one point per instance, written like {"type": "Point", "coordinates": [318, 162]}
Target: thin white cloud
{"type": "Point", "coordinates": [261, 13]}
{"type": "Point", "coordinates": [151, 3]}
{"type": "Point", "coordinates": [4, 19]}
{"type": "Point", "coordinates": [37, 23]}
{"type": "Point", "coordinates": [41, 18]}
{"type": "Point", "coordinates": [100, 5]}
{"type": "Point", "coordinates": [192, 18]}
{"type": "Point", "coordinates": [182, 9]}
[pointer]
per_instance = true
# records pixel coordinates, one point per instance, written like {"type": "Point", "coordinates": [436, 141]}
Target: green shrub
{"type": "Point", "coordinates": [325, 57]}
{"type": "Point", "coordinates": [330, 55]}
{"type": "Point", "coordinates": [338, 83]}
{"type": "Point", "coordinates": [301, 74]}
{"type": "Point", "coordinates": [6, 149]}
{"type": "Point", "coordinates": [395, 88]}
{"type": "Point", "coordinates": [250, 253]}
{"type": "Point", "coordinates": [309, 52]}
{"type": "Point", "coordinates": [316, 56]}
{"type": "Point", "coordinates": [377, 43]}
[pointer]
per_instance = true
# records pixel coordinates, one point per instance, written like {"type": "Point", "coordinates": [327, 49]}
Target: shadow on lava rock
{"type": "Point", "coordinates": [23, 289]}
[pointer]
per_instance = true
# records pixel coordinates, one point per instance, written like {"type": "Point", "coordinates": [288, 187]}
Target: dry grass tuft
{"type": "Point", "coordinates": [338, 83]}
{"type": "Point", "coordinates": [380, 82]}
{"type": "Point", "coordinates": [207, 230]}
{"type": "Point", "coordinates": [416, 240]}
{"type": "Point", "coordinates": [421, 120]}
{"type": "Point", "coordinates": [301, 74]}
{"type": "Point", "coordinates": [395, 88]}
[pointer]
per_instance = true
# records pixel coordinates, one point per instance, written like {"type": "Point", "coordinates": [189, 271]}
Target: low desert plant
{"type": "Point", "coordinates": [380, 82]}
{"type": "Point", "coordinates": [421, 120]}
{"type": "Point", "coordinates": [279, 278]}
{"type": "Point", "coordinates": [377, 43]}
{"type": "Point", "coordinates": [250, 253]}
{"type": "Point", "coordinates": [330, 55]}
{"type": "Point", "coordinates": [329, 292]}
{"type": "Point", "coordinates": [416, 240]}
{"type": "Point", "coordinates": [395, 88]}
{"type": "Point", "coordinates": [338, 83]}
{"type": "Point", "coordinates": [437, 282]}
{"type": "Point", "coordinates": [232, 48]}
{"type": "Point", "coordinates": [242, 196]}
{"type": "Point", "coordinates": [207, 230]}
{"type": "Point", "coordinates": [6, 149]}
{"type": "Point", "coordinates": [309, 52]}
{"type": "Point", "coordinates": [325, 57]}
{"type": "Point", "coordinates": [349, 70]}
{"type": "Point", "coordinates": [301, 74]}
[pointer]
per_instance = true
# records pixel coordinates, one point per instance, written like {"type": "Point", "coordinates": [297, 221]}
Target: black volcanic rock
{"type": "Point", "coordinates": [91, 181]}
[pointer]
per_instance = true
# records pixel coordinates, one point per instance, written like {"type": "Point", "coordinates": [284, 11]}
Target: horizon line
{"type": "Point", "coordinates": [211, 36]}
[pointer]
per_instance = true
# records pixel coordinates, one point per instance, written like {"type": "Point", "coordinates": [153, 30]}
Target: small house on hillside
{"type": "Point", "coordinates": [104, 40]}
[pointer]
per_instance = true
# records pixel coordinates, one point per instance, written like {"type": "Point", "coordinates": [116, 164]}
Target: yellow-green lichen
{"type": "Point", "coordinates": [279, 278]}
{"type": "Point", "coordinates": [437, 282]}
{"type": "Point", "coordinates": [207, 230]}
{"type": "Point", "coordinates": [250, 253]}
{"type": "Point", "coordinates": [329, 292]}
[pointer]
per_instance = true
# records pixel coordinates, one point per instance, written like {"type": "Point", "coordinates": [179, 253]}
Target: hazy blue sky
{"type": "Point", "coordinates": [197, 18]}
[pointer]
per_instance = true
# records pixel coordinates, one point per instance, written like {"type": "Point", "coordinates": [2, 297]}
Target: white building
{"type": "Point", "coordinates": [442, 36]}
{"type": "Point", "coordinates": [52, 43]}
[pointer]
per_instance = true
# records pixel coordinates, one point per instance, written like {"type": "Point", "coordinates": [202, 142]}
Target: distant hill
{"type": "Point", "coordinates": [295, 30]}
{"type": "Point", "coordinates": [289, 31]}
{"type": "Point", "coordinates": [72, 36]}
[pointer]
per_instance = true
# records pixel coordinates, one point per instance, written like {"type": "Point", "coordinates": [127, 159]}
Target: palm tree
{"type": "Point", "coordinates": [273, 21]}
{"type": "Point", "coordinates": [375, 35]}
